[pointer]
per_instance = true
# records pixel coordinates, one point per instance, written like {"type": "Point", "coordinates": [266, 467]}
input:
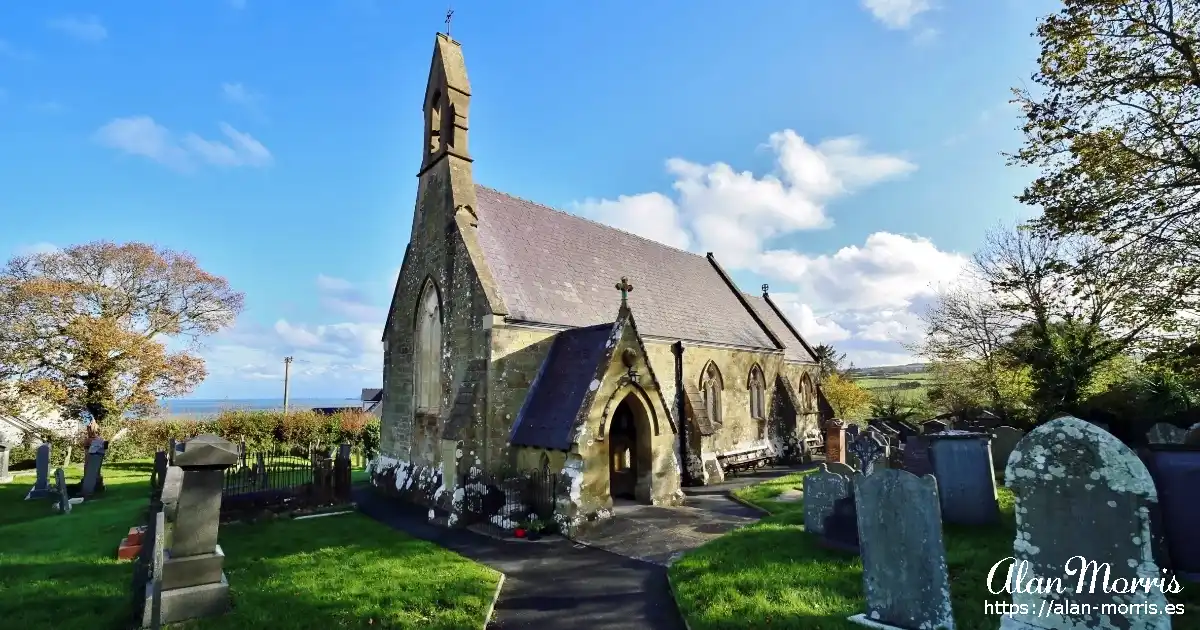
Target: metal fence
{"type": "Point", "coordinates": [513, 495]}
{"type": "Point", "coordinates": [295, 477]}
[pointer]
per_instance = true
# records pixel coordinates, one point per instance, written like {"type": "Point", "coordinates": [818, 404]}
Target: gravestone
{"type": "Point", "coordinates": [962, 464]}
{"type": "Point", "coordinates": [1175, 469]}
{"type": "Point", "coordinates": [821, 490]}
{"type": "Point", "coordinates": [1163, 433]}
{"type": "Point", "coordinates": [1193, 436]}
{"type": "Point", "coordinates": [844, 470]}
{"type": "Point", "coordinates": [152, 616]}
{"type": "Point", "coordinates": [932, 426]}
{"type": "Point", "coordinates": [916, 456]}
{"type": "Point", "coordinates": [171, 484]}
{"type": "Point", "coordinates": [5, 476]}
{"type": "Point", "coordinates": [64, 498]}
{"type": "Point", "coordinates": [172, 448]}
{"type": "Point", "coordinates": [835, 440]}
{"type": "Point", "coordinates": [41, 484]}
{"type": "Point", "coordinates": [1081, 496]}
{"type": "Point", "coordinates": [193, 579]}
{"type": "Point", "coordinates": [905, 580]}
{"type": "Point", "coordinates": [1004, 440]}
{"type": "Point", "coordinates": [867, 451]}
{"type": "Point", "coordinates": [93, 478]}
{"type": "Point", "coordinates": [852, 431]}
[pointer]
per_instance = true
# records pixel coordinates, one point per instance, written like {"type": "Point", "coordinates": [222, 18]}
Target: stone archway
{"type": "Point", "coordinates": [630, 450]}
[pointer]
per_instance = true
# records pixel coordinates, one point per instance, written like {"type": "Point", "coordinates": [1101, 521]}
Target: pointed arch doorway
{"type": "Point", "coordinates": [630, 454]}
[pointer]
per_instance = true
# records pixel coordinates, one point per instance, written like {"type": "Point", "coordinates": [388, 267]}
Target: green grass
{"type": "Point", "coordinates": [773, 574]}
{"type": "Point", "coordinates": [60, 571]}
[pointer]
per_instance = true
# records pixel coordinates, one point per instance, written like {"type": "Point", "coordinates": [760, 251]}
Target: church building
{"type": "Point", "coordinates": [523, 337]}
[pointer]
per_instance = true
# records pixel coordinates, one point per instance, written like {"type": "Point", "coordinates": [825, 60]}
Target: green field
{"type": "Point", "coordinates": [909, 387]}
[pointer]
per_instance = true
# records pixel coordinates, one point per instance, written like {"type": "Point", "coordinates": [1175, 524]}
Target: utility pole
{"type": "Point", "coordinates": [287, 372]}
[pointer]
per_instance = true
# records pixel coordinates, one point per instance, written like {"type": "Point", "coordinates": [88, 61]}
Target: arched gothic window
{"type": "Point", "coordinates": [711, 384]}
{"type": "Point", "coordinates": [435, 122]}
{"type": "Point", "coordinates": [758, 393]}
{"type": "Point", "coordinates": [427, 355]}
{"type": "Point", "coordinates": [808, 394]}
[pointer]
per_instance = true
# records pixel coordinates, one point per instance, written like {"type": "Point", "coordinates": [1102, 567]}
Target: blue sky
{"type": "Point", "coordinates": [848, 153]}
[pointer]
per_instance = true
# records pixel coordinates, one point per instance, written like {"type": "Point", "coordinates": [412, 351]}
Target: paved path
{"type": "Point", "coordinates": [557, 583]}
{"type": "Point", "coordinates": [549, 585]}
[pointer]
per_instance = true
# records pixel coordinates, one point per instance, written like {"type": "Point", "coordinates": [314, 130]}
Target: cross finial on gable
{"type": "Point", "coordinates": [449, 16]}
{"type": "Point", "coordinates": [624, 287]}
{"type": "Point", "coordinates": [765, 287]}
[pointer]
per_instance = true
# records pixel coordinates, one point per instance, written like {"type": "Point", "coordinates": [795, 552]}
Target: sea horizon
{"type": "Point", "coordinates": [213, 406]}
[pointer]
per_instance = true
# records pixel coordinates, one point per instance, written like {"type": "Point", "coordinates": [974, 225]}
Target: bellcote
{"type": "Point", "coordinates": [447, 101]}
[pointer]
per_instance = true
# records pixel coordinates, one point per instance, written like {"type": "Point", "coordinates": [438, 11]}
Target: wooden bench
{"type": "Point", "coordinates": [746, 458]}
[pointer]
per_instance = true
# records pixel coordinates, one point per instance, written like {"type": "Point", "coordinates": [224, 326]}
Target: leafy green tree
{"type": "Point", "coordinates": [1113, 125]}
{"type": "Point", "coordinates": [845, 396]}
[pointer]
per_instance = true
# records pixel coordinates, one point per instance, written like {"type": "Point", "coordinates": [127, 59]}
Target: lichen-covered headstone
{"type": "Point", "coordinates": [904, 561]}
{"type": "Point", "coordinates": [836, 468]}
{"type": "Point", "coordinates": [867, 451]}
{"type": "Point", "coordinates": [962, 464]}
{"type": "Point", "coordinates": [821, 490]}
{"type": "Point", "coordinates": [1081, 497]}
{"type": "Point", "coordinates": [93, 475]}
{"type": "Point", "coordinates": [1164, 433]}
{"type": "Point", "coordinates": [1004, 440]}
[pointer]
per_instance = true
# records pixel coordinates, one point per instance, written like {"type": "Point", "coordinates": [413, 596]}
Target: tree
{"type": "Point", "coordinates": [829, 360]}
{"type": "Point", "coordinates": [844, 395]}
{"type": "Point", "coordinates": [1075, 307]}
{"type": "Point", "coordinates": [86, 328]}
{"type": "Point", "coordinates": [1115, 131]}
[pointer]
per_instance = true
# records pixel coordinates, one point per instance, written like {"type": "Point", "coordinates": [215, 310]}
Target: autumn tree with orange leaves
{"type": "Point", "coordinates": [87, 328]}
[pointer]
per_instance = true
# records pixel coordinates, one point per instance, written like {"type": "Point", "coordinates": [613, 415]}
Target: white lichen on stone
{"type": "Point", "coordinates": [594, 385]}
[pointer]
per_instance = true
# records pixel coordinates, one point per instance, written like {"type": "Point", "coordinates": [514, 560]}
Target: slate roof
{"type": "Point", "coordinates": [552, 267]}
{"type": "Point", "coordinates": [371, 394]}
{"type": "Point", "coordinates": [547, 418]}
{"type": "Point", "coordinates": [794, 347]}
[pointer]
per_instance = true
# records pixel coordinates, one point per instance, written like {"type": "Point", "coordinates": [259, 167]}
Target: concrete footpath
{"type": "Point", "coordinates": [558, 584]}
{"type": "Point", "coordinates": [550, 585]}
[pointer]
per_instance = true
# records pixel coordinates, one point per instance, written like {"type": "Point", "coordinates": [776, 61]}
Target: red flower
{"type": "Point", "coordinates": [519, 532]}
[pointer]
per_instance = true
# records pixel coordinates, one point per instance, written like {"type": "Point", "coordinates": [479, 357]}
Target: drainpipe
{"type": "Point", "coordinates": [685, 474]}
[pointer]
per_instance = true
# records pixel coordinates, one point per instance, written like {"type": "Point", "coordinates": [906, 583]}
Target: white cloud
{"type": "Point", "coordinates": [37, 248]}
{"type": "Point", "coordinates": [329, 357]}
{"type": "Point", "coordinates": [239, 94]}
{"type": "Point", "coordinates": [896, 14]}
{"type": "Point", "coordinates": [142, 136]}
{"type": "Point", "coordinates": [85, 28]}
{"type": "Point", "coordinates": [862, 297]}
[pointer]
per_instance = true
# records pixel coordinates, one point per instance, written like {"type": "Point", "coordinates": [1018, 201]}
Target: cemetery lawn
{"type": "Point", "coordinates": [773, 575]}
{"type": "Point", "coordinates": [60, 571]}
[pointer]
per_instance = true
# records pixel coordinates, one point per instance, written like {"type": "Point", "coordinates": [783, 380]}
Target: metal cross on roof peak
{"type": "Point", "coordinates": [449, 16]}
{"type": "Point", "coordinates": [624, 287]}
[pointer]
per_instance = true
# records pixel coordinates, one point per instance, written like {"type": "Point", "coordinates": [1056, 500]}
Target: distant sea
{"type": "Point", "coordinates": [213, 406]}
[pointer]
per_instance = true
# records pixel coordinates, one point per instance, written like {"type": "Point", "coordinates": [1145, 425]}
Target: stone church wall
{"type": "Point", "coordinates": [517, 354]}
{"type": "Point", "coordinates": [416, 452]}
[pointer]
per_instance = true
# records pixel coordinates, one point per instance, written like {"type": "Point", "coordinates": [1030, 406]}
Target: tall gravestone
{"type": "Point", "coordinates": [852, 431]}
{"type": "Point", "coordinates": [5, 475]}
{"type": "Point", "coordinates": [1175, 469]}
{"type": "Point", "coordinates": [904, 561]}
{"type": "Point", "coordinates": [64, 498]}
{"type": "Point", "coordinates": [933, 426]}
{"type": "Point", "coordinates": [916, 455]}
{"type": "Point", "coordinates": [1081, 496]}
{"type": "Point", "coordinates": [93, 477]}
{"type": "Point", "coordinates": [962, 464]}
{"type": "Point", "coordinates": [1164, 433]}
{"type": "Point", "coordinates": [41, 484]}
{"type": "Point", "coordinates": [835, 442]}
{"type": "Point", "coordinates": [193, 579]}
{"type": "Point", "coordinates": [822, 490]}
{"type": "Point", "coordinates": [1004, 440]}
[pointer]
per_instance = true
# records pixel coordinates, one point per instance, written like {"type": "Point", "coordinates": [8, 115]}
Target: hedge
{"type": "Point", "coordinates": [261, 430]}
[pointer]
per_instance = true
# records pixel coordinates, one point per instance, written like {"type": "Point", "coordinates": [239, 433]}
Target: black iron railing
{"type": "Point", "coordinates": [507, 498]}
